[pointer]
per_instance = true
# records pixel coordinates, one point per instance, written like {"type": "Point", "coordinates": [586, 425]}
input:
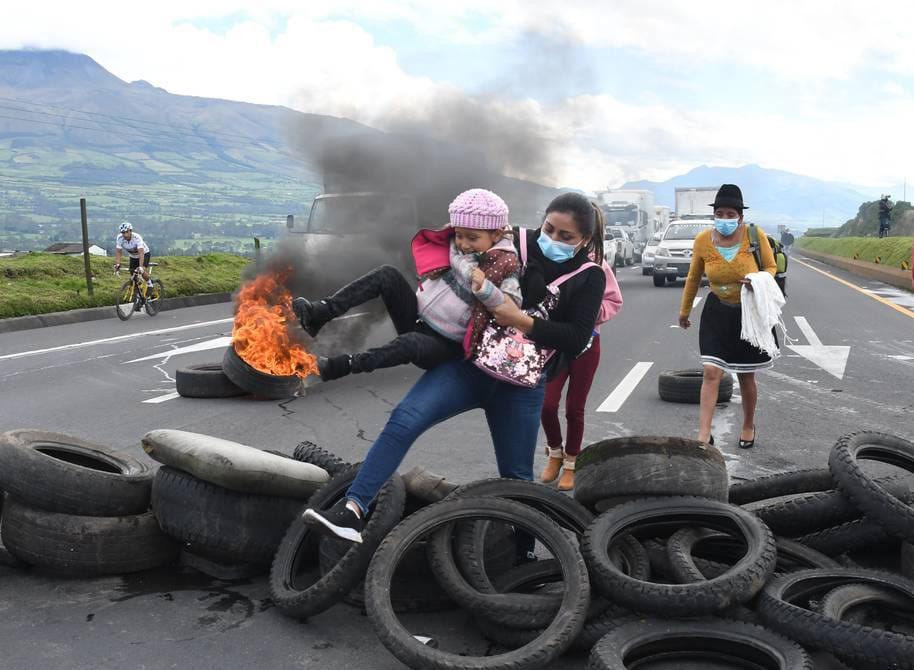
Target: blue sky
{"type": "Point", "coordinates": [617, 90]}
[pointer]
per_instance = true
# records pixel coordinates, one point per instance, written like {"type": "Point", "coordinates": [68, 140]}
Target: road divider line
{"type": "Point", "coordinates": [620, 394]}
{"type": "Point", "coordinates": [162, 398]}
{"type": "Point", "coordinates": [146, 333]}
{"type": "Point", "coordinates": [870, 294]}
{"type": "Point", "coordinates": [119, 338]}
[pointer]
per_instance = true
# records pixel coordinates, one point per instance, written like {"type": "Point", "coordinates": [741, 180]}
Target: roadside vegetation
{"type": "Point", "coordinates": [892, 251]}
{"type": "Point", "coordinates": [39, 283]}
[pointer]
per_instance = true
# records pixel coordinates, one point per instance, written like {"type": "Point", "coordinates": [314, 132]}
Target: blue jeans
{"type": "Point", "coordinates": [452, 388]}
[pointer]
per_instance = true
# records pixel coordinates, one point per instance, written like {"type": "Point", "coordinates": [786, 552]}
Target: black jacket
{"type": "Point", "coordinates": [571, 323]}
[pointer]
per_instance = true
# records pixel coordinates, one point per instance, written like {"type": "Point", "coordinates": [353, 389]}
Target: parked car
{"type": "Point", "coordinates": [647, 256]}
{"type": "Point", "coordinates": [625, 247]}
{"type": "Point", "coordinates": [674, 254]}
{"type": "Point", "coordinates": [610, 251]}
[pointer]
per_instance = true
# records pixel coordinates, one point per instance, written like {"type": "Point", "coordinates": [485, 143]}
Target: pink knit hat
{"type": "Point", "coordinates": [478, 208]}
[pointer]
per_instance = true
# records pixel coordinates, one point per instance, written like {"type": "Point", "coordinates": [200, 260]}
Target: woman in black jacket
{"type": "Point", "coordinates": [566, 240]}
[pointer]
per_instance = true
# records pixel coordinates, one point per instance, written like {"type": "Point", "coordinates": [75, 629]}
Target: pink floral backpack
{"type": "Point", "coordinates": [508, 355]}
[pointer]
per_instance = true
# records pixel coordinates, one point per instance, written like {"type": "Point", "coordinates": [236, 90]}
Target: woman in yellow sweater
{"type": "Point", "coordinates": [725, 255]}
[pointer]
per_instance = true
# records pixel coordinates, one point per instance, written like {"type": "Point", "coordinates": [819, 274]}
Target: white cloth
{"type": "Point", "coordinates": [762, 312]}
{"type": "Point", "coordinates": [132, 247]}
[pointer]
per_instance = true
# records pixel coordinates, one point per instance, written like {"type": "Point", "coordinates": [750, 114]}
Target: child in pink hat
{"type": "Point", "coordinates": [465, 269]}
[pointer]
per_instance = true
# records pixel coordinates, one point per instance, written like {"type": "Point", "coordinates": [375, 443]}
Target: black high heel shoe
{"type": "Point", "coordinates": [748, 444]}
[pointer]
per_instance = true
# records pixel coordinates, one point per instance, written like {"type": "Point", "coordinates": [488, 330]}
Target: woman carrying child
{"type": "Point", "coordinates": [561, 247]}
{"type": "Point", "coordinates": [464, 269]}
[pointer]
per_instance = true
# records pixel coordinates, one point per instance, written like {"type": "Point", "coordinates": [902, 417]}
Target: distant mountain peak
{"type": "Point", "coordinates": [47, 68]}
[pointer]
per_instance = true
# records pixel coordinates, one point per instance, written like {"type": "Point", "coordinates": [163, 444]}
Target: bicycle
{"type": "Point", "coordinates": [134, 295]}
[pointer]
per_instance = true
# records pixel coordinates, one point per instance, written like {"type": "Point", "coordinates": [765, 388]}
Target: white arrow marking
{"type": "Point", "coordinates": [620, 394]}
{"type": "Point", "coordinates": [218, 343]}
{"type": "Point", "coordinates": [831, 358]}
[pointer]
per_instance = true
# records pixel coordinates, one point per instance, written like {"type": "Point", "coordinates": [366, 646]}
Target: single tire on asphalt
{"type": "Point", "coordinates": [205, 380]}
{"type": "Point", "coordinates": [717, 642]}
{"type": "Point", "coordinates": [62, 473]}
{"type": "Point", "coordinates": [650, 515]}
{"type": "Point", "coordinates": [301, 598]}
{"type": "Point", "coordinates": [781, 484]}
{"type": "Point", "coordinates": [685, 386]}
{"type": "Point", "coordinates": [659, 280]}
{"type": "Point", "coordinates": [259, 384]}
{"type": "Point", "coordinates": [85, 545]}
{"type": "Point", "coordinates": [540, 652]}
{"type": "Point", "coordinates": [853, 643]}
{"type": "Point", "coordinates": [878, 504]}
{"type": "Point", "coordinates": [649, 466]}
{"type": "Point", "coordinates": [215, 522]}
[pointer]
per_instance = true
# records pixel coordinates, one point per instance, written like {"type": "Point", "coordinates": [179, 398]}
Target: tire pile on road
{"type": "Point", "coordinates": [656, 556]}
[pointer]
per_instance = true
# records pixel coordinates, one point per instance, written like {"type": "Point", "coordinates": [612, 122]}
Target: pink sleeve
{"type": "Point", "coordinates": [612, 297]}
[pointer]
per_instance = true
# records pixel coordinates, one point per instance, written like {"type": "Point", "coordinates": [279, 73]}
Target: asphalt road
{"type": "Point", "coordinates": [111, 382]}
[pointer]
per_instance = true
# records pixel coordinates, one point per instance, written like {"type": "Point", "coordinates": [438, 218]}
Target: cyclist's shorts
{"type": "Point", "coordinates": [135, 262]}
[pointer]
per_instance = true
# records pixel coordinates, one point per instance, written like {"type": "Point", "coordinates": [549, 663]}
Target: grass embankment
{"type": "Point", "coordinates": [40, 283]}
{"type": "Point", "coordinates": [892, 251]}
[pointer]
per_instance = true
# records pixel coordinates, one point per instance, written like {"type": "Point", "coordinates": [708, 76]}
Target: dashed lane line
{"type": "Point", "coordinates": [620, 394]}
{"type": "Point", "coordinates": [162, 398]}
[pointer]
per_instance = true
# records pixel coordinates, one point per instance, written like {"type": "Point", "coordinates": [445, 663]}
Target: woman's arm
{"type": "Point", "coordinates": [571, 335]}
{"type": "Point", "coordinates": [696, 270]}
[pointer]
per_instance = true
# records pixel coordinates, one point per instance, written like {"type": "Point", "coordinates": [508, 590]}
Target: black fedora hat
{"type": "Point", "coordinates": [729, 195]}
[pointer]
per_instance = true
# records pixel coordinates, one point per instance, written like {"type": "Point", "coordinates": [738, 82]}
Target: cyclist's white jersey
{"type": "Point", "coordinates": [133, 246]}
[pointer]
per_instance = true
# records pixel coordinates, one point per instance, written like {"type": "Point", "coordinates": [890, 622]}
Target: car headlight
{"type": "Point", "coordinates": [663, 250]}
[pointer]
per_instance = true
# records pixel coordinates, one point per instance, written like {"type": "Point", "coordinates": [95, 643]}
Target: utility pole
{"type": "Point", "coordinates": [85, 224]}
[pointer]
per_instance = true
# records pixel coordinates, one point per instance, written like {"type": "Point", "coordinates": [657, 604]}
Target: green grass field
{"type": "Point", "coordinates": [40, 283]}
{"type": "Point", "coordinates": [891, 250]}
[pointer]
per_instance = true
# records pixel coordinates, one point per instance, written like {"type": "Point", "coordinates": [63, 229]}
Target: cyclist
{"type": "Point", "coordinates": [136, 249]}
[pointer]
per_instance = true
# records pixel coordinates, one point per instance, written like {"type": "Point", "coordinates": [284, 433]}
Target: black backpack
{"type": "Point", "coordinates": [780, 258]}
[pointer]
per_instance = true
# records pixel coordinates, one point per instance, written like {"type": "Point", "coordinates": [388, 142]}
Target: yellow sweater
{"type": "Point", "coordinates": [723, 276]}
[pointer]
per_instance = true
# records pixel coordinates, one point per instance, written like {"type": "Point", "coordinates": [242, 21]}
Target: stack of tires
{"type": "Point", "coordinates": [227, 504]}
{"type": "Point", "coordinates": [233, 377]}
{"type": "Point", "coordinates": [77, 508]}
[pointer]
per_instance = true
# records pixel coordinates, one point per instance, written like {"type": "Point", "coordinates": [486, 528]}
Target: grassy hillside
{"type": "Point", "coordinates": [892, 250]}
{"type": "Point", "coordinates": [39, 283]}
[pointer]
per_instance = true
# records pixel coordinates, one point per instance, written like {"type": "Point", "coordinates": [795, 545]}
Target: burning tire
{"type": "Point", "coordinates": [206, 380]}
{"type": "Point", "coordinates": [258, 384]}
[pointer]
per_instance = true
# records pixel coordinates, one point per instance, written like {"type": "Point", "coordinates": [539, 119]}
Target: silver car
{"type": "Point", "coordinates": [647, 256]}
{"type": "Point", "coordinates": [674, 254]}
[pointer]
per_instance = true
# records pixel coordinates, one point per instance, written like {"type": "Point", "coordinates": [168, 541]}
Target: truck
{"type": "Point", "coordinates": [662, 213]}
{"type": "Point", "coordinates": [633, 209]}
{"type": "Point", "coordinates": [692, 202]}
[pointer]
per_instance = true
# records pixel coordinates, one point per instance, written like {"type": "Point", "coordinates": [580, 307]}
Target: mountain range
{"type": "Point", "coordinates": [199, 173]}
{"type": "Point", "coordinates": [773, 196]}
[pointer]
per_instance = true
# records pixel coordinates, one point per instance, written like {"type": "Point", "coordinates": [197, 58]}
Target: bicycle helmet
{"type": "Point", "coordinates": [124, 227]}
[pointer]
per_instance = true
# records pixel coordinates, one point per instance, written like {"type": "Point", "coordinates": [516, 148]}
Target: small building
{"type": "Point", "coordinates": [74, 249]}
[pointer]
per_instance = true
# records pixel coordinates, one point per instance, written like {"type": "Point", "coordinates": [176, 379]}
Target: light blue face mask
{"type": "Point", "coordinates": [558, 252]}
{"type": "Point", "coordinates": [726, 226]}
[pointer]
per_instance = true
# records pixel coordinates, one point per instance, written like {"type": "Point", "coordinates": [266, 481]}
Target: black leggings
{"type": "Point", "coordinates": [415, 343]}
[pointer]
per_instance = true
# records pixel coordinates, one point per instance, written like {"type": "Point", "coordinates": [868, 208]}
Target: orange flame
{"type": "Point", "coordinates": [260, 335]}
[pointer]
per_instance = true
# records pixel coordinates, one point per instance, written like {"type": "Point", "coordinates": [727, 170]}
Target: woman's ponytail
{"type": "Point", "coordinates": [596, 240]}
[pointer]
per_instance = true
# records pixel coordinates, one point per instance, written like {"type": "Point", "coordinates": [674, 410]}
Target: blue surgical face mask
{"type": "Point", "coordinates": [726, 226]}
{"type": "Point", "coordinates": [558, 252]}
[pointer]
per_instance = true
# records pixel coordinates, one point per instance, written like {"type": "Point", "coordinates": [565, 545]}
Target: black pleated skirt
{"type": "Point", "coordinates": [719, 339]}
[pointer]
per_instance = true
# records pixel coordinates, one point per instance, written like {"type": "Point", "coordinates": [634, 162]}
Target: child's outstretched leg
{"type": "Point", "coordinates": [386, 282]}
{"type": "Point", "coordinates": [422, 349]}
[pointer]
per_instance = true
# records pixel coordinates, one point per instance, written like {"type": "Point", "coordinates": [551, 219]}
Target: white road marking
{"type": "Point", "coordinates": [831, 358]}
{"type": "Point", "coordinates": [119, 338]}
{"type": "Point", "coordinates": [162, 398]}
{"type": "Point", "coordinates": [620, 394]}
{"type": "Point", "coordinates": [146, 333]}
{"type": "Point", "coordinates": [218, 343]}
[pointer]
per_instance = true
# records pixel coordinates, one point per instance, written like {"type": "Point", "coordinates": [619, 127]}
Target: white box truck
{"type": "Point", "coordinates": [631, 208]}
{"type": "Point", "coordinates": [693, 202]}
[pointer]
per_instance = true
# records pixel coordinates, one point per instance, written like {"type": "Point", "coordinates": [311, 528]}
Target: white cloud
{"type": "Point", "coordinates": [322, 63]}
